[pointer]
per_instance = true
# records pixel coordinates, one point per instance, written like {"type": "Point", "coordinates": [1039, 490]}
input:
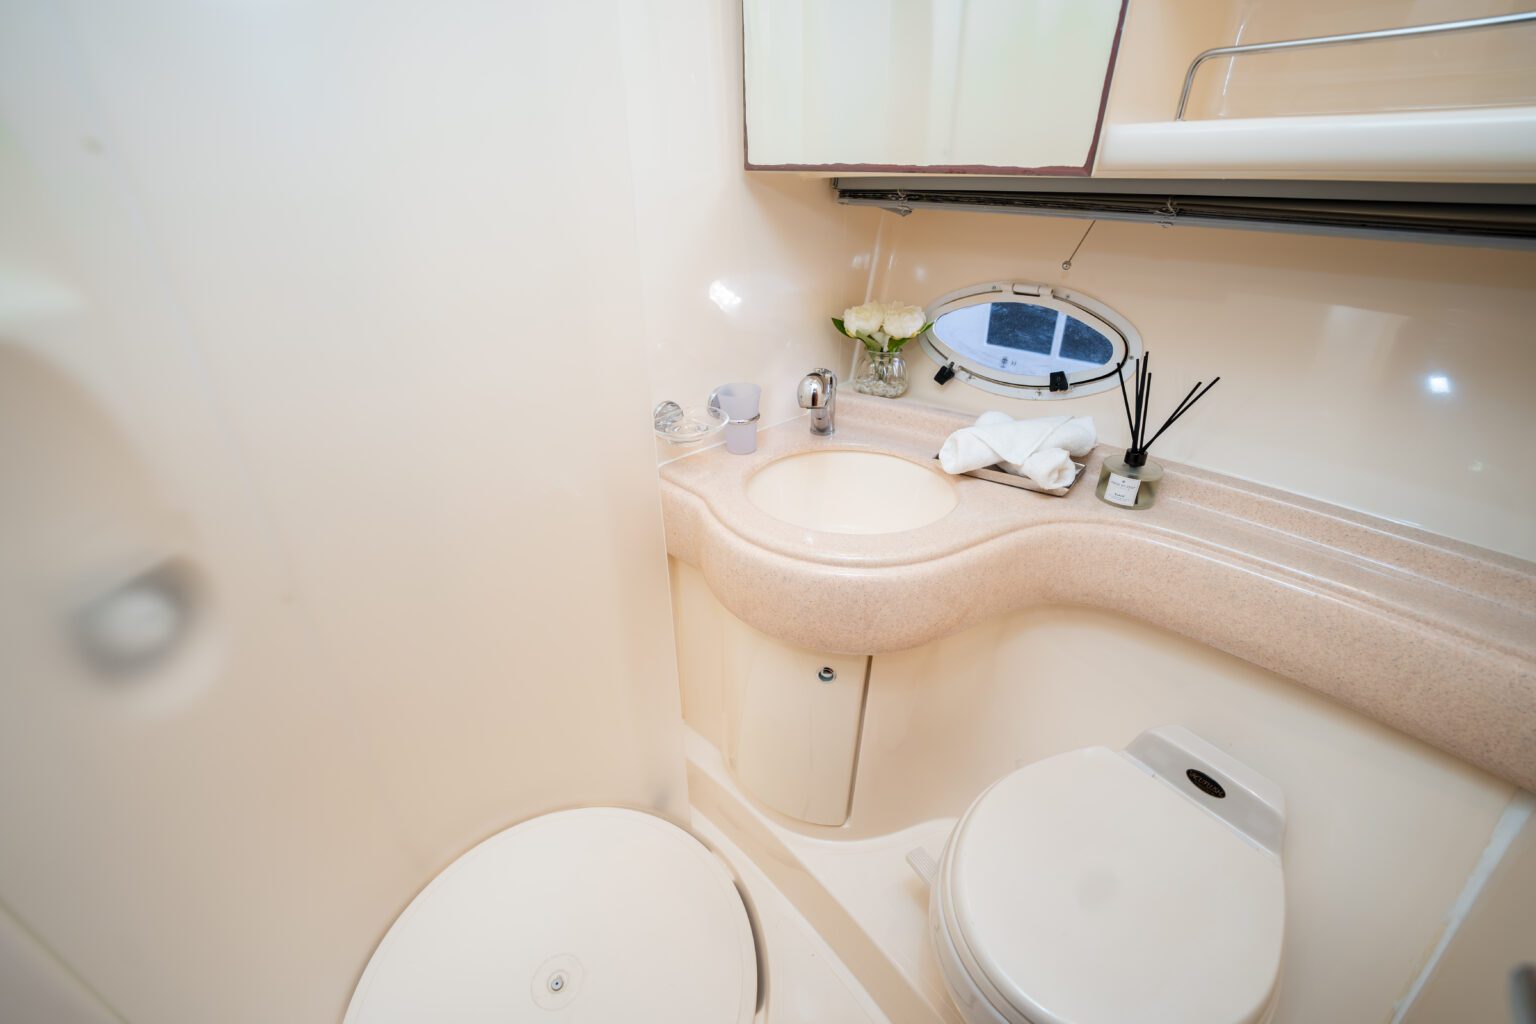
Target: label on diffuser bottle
{"type": "Point", "coordinates": [1122, 490]}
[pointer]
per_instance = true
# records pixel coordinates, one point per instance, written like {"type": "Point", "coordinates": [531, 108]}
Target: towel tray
{"type": "Point", "coordinates": [997, 475]}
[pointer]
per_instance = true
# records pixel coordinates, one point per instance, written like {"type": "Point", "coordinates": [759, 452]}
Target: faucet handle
{"type": "Point", "coordinates": [817, 389]}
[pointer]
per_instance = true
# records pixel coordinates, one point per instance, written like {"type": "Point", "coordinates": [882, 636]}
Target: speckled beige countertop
{"type": "Point", "coordinates": [1433, 637]}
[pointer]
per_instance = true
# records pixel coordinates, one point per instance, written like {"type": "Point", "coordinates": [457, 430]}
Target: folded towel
{"type": "Point", "coordinates": [999, 438]}
{"type": "Point", "coordinates": [1049, 468]}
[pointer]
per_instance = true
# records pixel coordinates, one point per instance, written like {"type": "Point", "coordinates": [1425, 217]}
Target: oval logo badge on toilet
{"type": "Point", "coordinates": [1205, 784]}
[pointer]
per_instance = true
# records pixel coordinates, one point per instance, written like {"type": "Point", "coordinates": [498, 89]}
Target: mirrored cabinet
{"type": "Point", "coordinates": [1389, 91]}
{"type": "Point", "coordinates": [957, 86]}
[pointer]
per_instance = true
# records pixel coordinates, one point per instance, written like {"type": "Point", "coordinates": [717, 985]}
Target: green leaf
{"type": "Point", "coordinates": [840, 328]}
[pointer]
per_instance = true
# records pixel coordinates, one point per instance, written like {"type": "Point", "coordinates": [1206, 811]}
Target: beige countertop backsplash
{"type": "Point", "coordinates": [1431, 636]}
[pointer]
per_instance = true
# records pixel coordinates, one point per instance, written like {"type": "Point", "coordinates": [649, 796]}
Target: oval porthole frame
{"type": "Point", "coordinates": [1086, 308]}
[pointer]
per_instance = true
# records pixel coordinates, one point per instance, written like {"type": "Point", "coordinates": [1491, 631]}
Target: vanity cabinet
{"type": "Point", "coordinates": [791, 723]}
{"type": "Point", "coordinates": [786, 718]}
{"type": "Point", "coordinates": [959, 86]}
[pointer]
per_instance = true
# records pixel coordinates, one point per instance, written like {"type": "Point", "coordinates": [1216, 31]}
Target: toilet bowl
{"type": "Point", "coordinates": [1100, 887]}
{"type": "Point", "coordinates": [595, 914]}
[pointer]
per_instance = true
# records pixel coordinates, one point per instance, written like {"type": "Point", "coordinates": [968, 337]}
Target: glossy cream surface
{"type": "Point", "coordinates": [851, 492]}
{"type": "Point", "coordinates": [1385, 377]}
{"type": "Point", "coordinates": [362, 311]}
{"type": "Point", "coordinates": [307, 297]}
{"type": "Point", "coordinates": [1427, 635]}
{"type": "Point", "coordinates": [946, 720]}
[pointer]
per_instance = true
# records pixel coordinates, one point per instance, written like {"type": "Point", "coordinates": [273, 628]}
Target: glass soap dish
{"type": "Point", "coordinates": [677, 425]}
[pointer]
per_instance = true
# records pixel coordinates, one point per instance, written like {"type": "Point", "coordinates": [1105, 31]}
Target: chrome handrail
{"type": "Point", "coordinates": [1351, 37]}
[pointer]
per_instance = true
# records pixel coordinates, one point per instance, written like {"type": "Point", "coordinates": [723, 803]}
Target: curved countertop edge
{"type": "Point", "coordinates": [1422, 660]}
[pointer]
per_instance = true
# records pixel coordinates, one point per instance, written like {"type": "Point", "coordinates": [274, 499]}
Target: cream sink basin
{"type": "Point", "coordinates": [851, 492]}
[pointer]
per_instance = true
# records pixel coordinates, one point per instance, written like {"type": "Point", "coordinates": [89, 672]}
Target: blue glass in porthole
{"type": "Point", "coordinates": [1083, 344]}
{"type": "Point", "coordinates": [1022, 326]}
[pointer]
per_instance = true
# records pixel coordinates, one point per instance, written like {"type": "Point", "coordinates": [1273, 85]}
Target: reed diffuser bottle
{"type": "Point", "coordinates": [1132, 481]}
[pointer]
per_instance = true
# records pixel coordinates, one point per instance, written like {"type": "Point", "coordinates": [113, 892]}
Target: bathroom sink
{"type": "Point", "coordinates": [851, 492]}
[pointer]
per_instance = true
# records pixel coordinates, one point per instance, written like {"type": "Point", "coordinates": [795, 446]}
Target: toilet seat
{"type": "Point", "coordinates": [1085, 889]}
{"type": "Point", "coordinates": [594, 914]}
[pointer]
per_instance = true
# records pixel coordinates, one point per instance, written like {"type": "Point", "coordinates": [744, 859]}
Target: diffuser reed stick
{"type": "Point", "coordinates": [1131, 482]}
{"type": "Point", "coordinates": [1136, 454]}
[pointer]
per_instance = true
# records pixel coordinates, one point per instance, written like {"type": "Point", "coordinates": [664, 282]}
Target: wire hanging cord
{"type": "Point", "coordinates": [1137, 418]}
{"type": "Point", "coordinates": [1066, 264]}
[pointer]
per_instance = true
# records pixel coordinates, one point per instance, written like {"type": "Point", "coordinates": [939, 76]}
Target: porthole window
{"type": "Point", "coordinates": [1028, 340]}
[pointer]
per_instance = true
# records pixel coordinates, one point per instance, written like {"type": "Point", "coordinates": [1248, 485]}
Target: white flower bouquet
{"type": "Point", "coordinates": [883, 327]}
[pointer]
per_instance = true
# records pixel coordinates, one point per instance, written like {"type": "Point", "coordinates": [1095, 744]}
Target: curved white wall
{"type": "Point", "coordinates": [344, 294]}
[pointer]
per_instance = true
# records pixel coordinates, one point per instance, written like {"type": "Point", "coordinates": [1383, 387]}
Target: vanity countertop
{"type": "Point", "coordinates": [1428, 635]}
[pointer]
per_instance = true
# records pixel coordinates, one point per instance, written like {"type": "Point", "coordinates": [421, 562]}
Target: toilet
{"type": "Point", "coordinates": [1105, 887]}
{"type": "Point", "coordinates": [594, 914]}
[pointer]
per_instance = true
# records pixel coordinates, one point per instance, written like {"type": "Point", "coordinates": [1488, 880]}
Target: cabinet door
{"type": "Point", "coordinates": [792, 722]}
{"type": "Point", "coordinates": [963, 86]}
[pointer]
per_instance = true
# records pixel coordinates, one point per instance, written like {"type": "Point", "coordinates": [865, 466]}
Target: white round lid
{"type": "Point", "coordinates": [1089, 892]}
{"type": "Point", "coordinates": [597, 914]}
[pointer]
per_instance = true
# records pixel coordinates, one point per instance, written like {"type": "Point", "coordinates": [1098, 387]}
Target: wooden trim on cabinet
{"type": "Point", "coordinates": [1109, 76]}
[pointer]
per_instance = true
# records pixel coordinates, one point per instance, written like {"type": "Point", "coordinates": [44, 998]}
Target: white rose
{"type": "Point", "coordinates": [904, 321]}
{"type": "Point", "coordinates": [863, 319]}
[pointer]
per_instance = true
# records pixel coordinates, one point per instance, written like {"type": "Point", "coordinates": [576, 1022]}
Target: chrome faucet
{"type": "Point", "coordinates": [818, 393]}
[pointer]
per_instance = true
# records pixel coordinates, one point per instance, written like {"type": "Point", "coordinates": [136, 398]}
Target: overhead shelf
{"type": "Point", "coordinates": [1488, 144]}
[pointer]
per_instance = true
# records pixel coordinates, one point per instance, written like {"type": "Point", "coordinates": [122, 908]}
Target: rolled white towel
{"type": "Point", "coordinates": [1050, 468]}
{"type": "Point", "coordinates": [997, 437]}
{"type": "Point", "coordinates": [965, 450]}
{"type": "Point", "coordinates": [1011, 437]}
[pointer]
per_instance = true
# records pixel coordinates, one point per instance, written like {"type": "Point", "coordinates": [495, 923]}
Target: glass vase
{"type": "Point", "coordinates": [884, 375]}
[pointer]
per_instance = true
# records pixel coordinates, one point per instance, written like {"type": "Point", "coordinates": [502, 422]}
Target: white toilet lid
{"type": "Point", "coordinates": [597, 914]}
{"type": "Point", "coordinates": [1089, 892]}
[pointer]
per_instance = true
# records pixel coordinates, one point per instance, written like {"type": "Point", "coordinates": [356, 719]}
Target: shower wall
{"type": "Point", "coordinates": [318, 363]}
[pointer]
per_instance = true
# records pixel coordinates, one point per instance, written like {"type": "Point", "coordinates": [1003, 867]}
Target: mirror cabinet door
{"type": "Point", "coordinates": [961, 85]}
